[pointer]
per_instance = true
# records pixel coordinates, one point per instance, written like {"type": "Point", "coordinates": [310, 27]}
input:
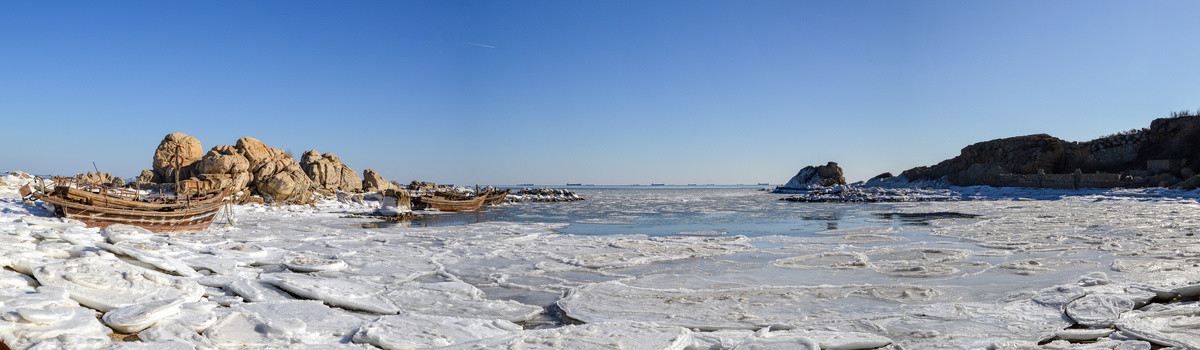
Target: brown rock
{"type": "Point", "coordinates": [1190, 184]}
{"type": "Point", "coordinates": [103, 179]}
{"type": "Point", "coordinates": [147, 176]}
{"type": "Point", "coordinates": [328, 172]}
{"type": "Point", "coordinates": [275, 174]}
{"type": "Point", "coordinates": [824, 175]}
{"type": "Point", "coordinates": [422, 186]}
{"type": "Point", "coordinates": [189, 151]}
{"type": "Point", "coordinates": [224, 166]}
{"type": "Point", "coordinates": [373, 182]}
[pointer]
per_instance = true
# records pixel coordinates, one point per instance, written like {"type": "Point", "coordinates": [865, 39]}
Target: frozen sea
{"type": "Point", "coordinates": [634, 268]}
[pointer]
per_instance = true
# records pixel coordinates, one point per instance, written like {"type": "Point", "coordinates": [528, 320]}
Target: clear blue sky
{"type": "Point", "coordinates": [605, 92]}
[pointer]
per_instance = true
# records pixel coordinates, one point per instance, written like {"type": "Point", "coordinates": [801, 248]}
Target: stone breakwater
{"type": "Point", "coordinates": [544, 195]}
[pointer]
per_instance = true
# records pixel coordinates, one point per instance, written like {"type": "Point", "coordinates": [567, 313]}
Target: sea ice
{"type": "Point", "coordinates": [1171, 325]}
{"type": "Point", "coordinates": [320, 324]}
{"type": "Point", "coordinates": [135, 318]}
{"type": "Point", "coordinates": [747, 308]}
{"type": "Point", "coordinates": [1098, 310]}
{"type": "Point", "coordinates": [456, 299]}
{"type": "Point", "coordinates": [415, 331]}
{"type": "Point", "coordinates": [627, 335]}
{"type": "Point", "coordinates": [105, 283]}
{"type": "Point", "coordinates": [350, 294]}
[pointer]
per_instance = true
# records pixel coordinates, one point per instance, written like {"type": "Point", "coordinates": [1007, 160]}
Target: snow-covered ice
{"type": "Point", "coordinates": [661, 269]}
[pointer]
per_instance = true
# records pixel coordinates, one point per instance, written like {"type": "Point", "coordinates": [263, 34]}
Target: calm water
{"type": "Point", "coordinates": [700, 210]}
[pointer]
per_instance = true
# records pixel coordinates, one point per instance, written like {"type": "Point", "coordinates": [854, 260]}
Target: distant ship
{"type": "Point", "coordinates": [658, 184]}
{"type": "Point", "coordinates": [571, 184]}
{"type": "Point", "coordinates": [763, 184]}
{"type": "Point", "coordinates": [525, 185]}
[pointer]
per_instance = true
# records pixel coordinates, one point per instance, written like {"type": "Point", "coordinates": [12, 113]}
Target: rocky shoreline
{"type": "Point", "coordinates": [256, 172]}
{"type": "Point", "coordinates": [1162, 155]}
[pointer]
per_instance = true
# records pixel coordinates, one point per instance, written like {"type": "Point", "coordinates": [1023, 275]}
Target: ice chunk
{"type": "Point", "coordinates": [53, 223]}
{"type": "Point", "coordinates": [1173, 325]}
{"type": "Point", "coordinates": [300, 263]}
{"type": "Point", "coordinates": [33, 326]}
{"type": "Point", "coordinates": [172, 332]}
{"type": "Point", "coordinates": [1084, 334]}
{"type": "Point", "coordinates": [1098, 311]}
{"type": "Point", "coordinates": [322, 324]}
{"type": "Point", "coordinates": [591, 336]}
{"type": "Point", "coordinates": [135, 318]}
{"type": "Point", "coordinates": [746, 308]}
{"type": "Point", "coordinates": [626, 252]}
{"type": "Point", "coordinates": [240, 329]}
{"type": "Point", "coordinates": [416, 331]}
{"type": "Point", "coordinates": [12, 279]}
{"type": "Point", "coordinates": [456, 299]}
{"type": "Point", "coordinates": [253, 290]}
{"type": "Point", "coordinates": [105, 284]}
{"type": "Point", "coordinates": [197, 316]}
{"type": "Point", "coordinates": [779, 342]}
{"type": "Point", "coordinates": [146, 252]}
{"type": "Point", "coordinates": [350, 294]}
{"type": "Point", "coordinates": [120, 232]}
{"type": "Point", "coordinates": [837, 260]}
{"type": "Point", "coordinates": [832, 340]}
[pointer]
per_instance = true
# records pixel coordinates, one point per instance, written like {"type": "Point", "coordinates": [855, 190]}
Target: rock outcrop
{"type": "Point", "coordinates": [226, 166]}
{"type": "Point", "coordinates": [147, 176]}
{"type": "Point", "coordinates": [328, 172]}
{"type": "Point", "coordinates": [823, 175]}
{"type": "Point", "coordinates": [373, 182]}
{"type": "Point", "coordinates": [422, 186]}
{"type": "Point", "coordinates": [275, 174]}
{"type": "Point", "coordinates": [189, 152]}
{"type": "Point", "coordinates": [1169, 143]}
{"type": "Point", "coordinates": [102, 178]}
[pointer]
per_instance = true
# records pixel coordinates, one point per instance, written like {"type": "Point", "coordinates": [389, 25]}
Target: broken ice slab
{"type": "Point", "coordinates": [624, 335]}
{"type": "Point", "coordinates": [107, 283]}
{"type": "Point", "coordinates": [416, 331]}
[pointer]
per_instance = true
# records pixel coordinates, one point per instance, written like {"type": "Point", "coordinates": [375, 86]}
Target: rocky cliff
{"type": "Point", "coordinates": [1160, 155]}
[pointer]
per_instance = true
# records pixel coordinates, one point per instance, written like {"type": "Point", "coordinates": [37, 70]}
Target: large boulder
{"type": "Point", "coordinates": [274, 173]}
{"type": "Point", "coordinates": [823, 175]}
{"type": "Point", "coordinates": [327, 171]}
{"type": "Point", "coordinates": [373, 182]}
{"type": "Point", "coordinates": [189, 152]}
{"type": "Point", "coordinates": [226, 166]}
{"type": "Point", "coordinates": [147, 176]}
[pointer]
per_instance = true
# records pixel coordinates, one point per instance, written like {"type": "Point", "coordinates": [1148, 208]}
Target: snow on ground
{"type": "Point", "coordinates": [1024, 269]}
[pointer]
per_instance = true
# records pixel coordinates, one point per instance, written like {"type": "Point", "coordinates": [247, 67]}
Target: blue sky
{"type": "Point", "coordinates": [605, 92]}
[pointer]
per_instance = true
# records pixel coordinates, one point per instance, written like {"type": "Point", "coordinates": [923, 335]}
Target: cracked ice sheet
{"type": "Point", "coordinates": [1149, 238]}
{"type": "Point", "coordinates": [625, 335]}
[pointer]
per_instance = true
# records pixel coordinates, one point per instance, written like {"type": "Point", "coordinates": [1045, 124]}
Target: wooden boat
{"type": "Point", "coordinates": [109, 199]}
{"type": "Point", "coordinates": [98, 210]}
{"type": "Point", "coordinates": [494, 197]}
{"type": "Point", "coordinates": [446, 204]}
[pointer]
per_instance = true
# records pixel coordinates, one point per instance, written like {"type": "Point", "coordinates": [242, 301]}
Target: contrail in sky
{"type": "Point", "coordinates": [482, 45]}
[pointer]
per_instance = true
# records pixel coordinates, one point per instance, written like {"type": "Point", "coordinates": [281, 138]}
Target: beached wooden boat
{"type": "Point", "coordinates": [446, 204]}
{"type": "Point", "coordinates": [97, 210]}
{"type": "Point", "coordinates": [494, 197]}
{"type": "Point", "coordinates": [110, 199]}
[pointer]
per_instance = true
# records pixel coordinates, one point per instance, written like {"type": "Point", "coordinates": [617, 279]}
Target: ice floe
{"type": "Point", "coordinates": [417, 331]}
{"type": "Point", "coordinates": [107, 283]}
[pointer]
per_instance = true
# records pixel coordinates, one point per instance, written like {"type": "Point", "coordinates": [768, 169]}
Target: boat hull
{"type": "Point", "coordinates": [192, 219]}
{"type": "Point", "coordinates": [442, 204]}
